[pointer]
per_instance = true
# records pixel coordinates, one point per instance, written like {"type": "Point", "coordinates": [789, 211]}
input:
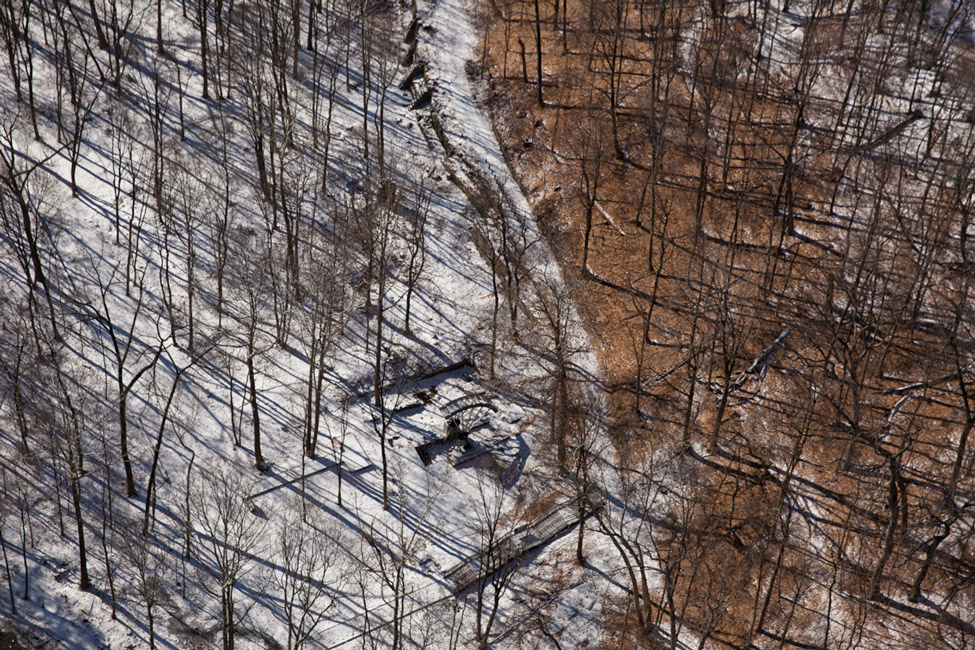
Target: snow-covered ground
{"type": "Point", "coordinates": [388, 561]}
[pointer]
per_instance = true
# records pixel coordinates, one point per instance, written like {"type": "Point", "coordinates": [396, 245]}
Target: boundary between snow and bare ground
{"type": "Point", "coordinates": [446, 45]}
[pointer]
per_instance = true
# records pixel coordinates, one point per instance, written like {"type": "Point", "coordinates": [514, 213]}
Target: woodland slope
{"type": "Point", "coordinates": [764, 211]}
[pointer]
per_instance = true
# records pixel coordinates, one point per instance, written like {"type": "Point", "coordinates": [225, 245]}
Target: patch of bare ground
{"type": "Point", "coordinates": [762, 213]}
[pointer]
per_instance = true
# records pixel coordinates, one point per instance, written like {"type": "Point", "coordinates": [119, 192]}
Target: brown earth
{"type": "Point", "coordinates": [693, 270]}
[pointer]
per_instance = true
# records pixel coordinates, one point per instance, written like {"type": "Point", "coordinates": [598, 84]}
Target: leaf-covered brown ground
{"type": "Point", "coordinates": [736, 192]}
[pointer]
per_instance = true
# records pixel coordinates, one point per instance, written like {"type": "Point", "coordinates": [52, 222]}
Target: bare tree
{"type": "Point", "coordinates": [23, 209]}
{"type": "Point", "coordinates": [387, 399]}
{"type": "Point", "coordinates": [69, 425]}
{"type": "Point", "coordinates": [252, 35]}
{"type": "Point", "coordinates": [149, 560]}
{"type": "Point", "coordinates": [4, 513]}
{"type": "Point", "coordinates": [309, 548]}
{"type": "Point", "coordinates": [538, 54]}
{"type": "Point", "coordinates": [24, 497]}
{"type": "Point", "coordinates": [555, 304]}
{"type": "Point", "coordinates": [418, 213]}
{"type": "Point", "coordinates": [589, 426]}
{"type": "Point", "coordinates": [108, 537]}
{"type": "Point", "coordinates": [82, 101]}
{"type": "Point", "coordinates": [495, 564]}
{"type": "Point", "coordinates": [730, 331]}
{"type": "Point", "coordinates": [387, 554]}
{"type": "Point", "coordinates": [321, 325]}
{"type": "Point", "coordinates": [20, 363]}
{"type": "Point", "coordinates": [588, 152]}
{"type": "Point", "coordinates": [189, 197]}
{"type": "Point", "coordinates": [125, 351]}
{"type": "Point", "coordinates": [250, 261]}
{"type": "Point", "coordinates": [949, 512]}
{"type": "Point", "coordinates": [228, 536]}
{"type": "Point", "coordinates": [632, 536]}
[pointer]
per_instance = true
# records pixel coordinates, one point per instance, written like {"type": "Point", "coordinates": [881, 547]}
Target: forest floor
{"type": "Point", "coordinates": [595, 386]}
{"type": "Point", "coordinates": [665, 289]}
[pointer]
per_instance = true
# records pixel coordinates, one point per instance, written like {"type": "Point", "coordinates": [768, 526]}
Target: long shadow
{"type": "Point", "coordinates": [788, 641]}
{"type": "Point", "coordinates": [936, 614]}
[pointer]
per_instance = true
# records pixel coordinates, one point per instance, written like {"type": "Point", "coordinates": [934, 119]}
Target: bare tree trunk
{"type": "Point", "coordinates": [538, 50]}
{"type": "Point", "coordinates": [255, 410]}
{"type": "Point", "coordinates": [873, 592]}
{"type": "Point", "coordinates": [100, 33]}
{"type": "Point", "coordinates": [10, 582]}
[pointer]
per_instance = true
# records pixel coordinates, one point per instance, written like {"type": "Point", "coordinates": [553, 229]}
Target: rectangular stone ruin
{"type": "Point", "coordinates": [461, 416]}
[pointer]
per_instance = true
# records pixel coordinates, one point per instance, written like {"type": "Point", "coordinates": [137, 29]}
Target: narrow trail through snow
{"type": "Point", "coordinates": [447, 47]}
